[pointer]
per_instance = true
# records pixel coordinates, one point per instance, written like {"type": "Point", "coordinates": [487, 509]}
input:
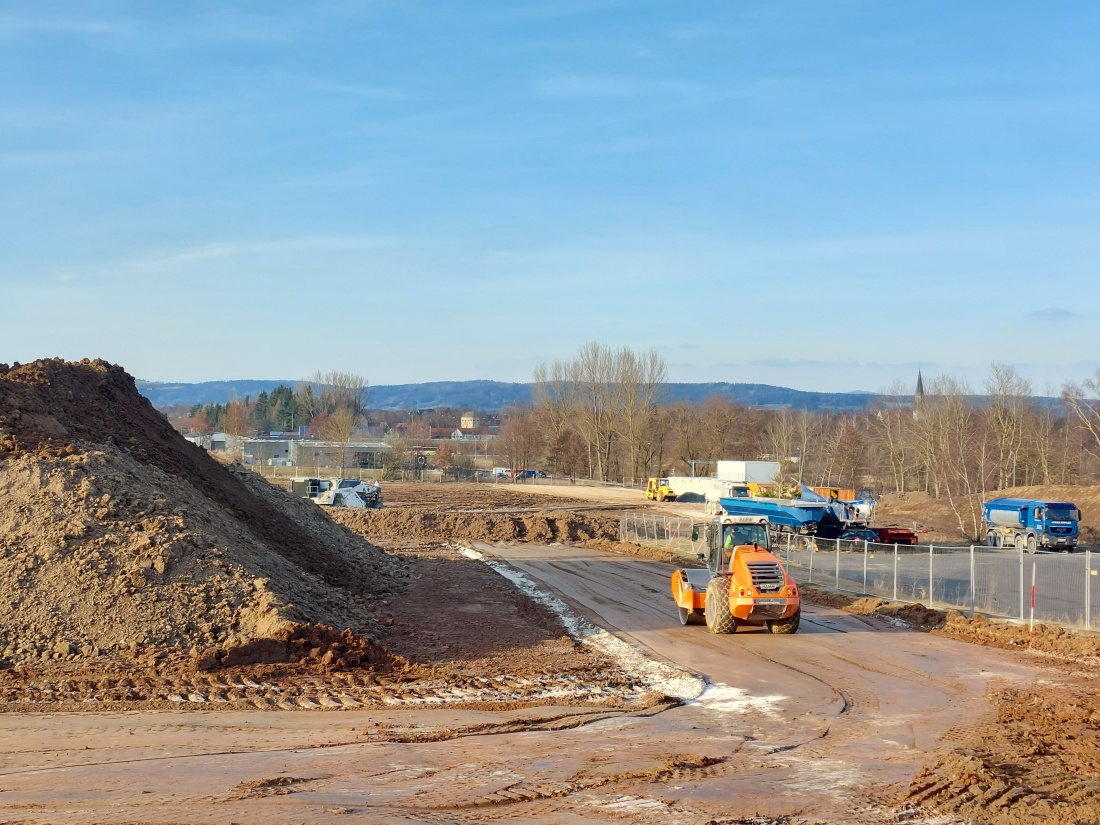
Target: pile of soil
{"type": "Point", "coordinates": [1038, 762]}
{"type": "Point", "coordinates": [543, 527]}
{"type": "Point", "coordinates": [118, 534]}
{"type": "Point", "coordinates": [464, 496]}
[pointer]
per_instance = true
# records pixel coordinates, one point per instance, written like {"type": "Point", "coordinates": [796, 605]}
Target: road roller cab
{"type": "Point", "coordinates": [743, 585]}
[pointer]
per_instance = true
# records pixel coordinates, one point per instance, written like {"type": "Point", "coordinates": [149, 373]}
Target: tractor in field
{"type": "Point", "coordinates": [743, 585]}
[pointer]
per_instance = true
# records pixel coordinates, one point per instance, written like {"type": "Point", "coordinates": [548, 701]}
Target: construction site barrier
{"type": "Point", "coordinates": [972, 579]}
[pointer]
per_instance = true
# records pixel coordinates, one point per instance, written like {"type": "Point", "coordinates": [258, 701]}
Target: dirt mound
{"type": "Point", "coordinates": [1038, 762]}
{"type": "Point", "coordinates": [116, 533]}
{"type": "Point", "coordinates": [464, 495]}
{"type": "Point", "coordinates": [543, 527]}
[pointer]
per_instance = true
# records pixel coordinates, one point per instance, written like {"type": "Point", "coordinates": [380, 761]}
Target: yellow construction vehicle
{"type": "Point", "coordinates": [658, 489]}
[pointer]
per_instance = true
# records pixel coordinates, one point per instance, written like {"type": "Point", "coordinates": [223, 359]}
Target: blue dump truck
{"type": "Point", "coordinates": [812, 514]}
{"type": "Point", "coordinates": [1027, 524]}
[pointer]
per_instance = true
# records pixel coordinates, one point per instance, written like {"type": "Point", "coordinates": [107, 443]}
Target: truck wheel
{"type": "Point", "coordinates": [1019, 543]}
{"type": "Point", "coordinates": [788, 625]}
{"type": "Point", "coordinates": [689, 616]}
{"type": "Point", "coordinates": [718, 616]}
{"type": "Point", "coordinates": [998, 540]}
{"type": "Point", "coordinates": [1032, 545]}
{"type": "Point", "coordinates": [990, 540]}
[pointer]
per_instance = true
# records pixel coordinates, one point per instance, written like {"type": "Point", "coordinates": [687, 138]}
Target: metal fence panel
{"type": "Point", "coordinates": [675, 534]}
{"type": "Point", "coordinates": [949, 576]}
{"type": "Point", "coordinates": [1059, 594]}
{"type": "Point", "coordinates": [990, 580]}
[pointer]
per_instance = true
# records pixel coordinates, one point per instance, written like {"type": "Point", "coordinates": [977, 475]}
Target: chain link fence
{"type": "Point", "coordinates": [971, 578]}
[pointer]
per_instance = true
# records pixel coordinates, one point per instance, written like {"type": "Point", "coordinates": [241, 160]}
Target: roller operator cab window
{"type": "Point", "coordinates": [738, 534]}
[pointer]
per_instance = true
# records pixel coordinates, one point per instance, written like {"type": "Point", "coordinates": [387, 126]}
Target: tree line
{"type": "Point", "coordinates": [601, 416]}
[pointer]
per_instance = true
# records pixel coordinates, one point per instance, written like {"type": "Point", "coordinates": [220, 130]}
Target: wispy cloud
{"type": "Point", "coordinates": [1053, 315]}
{"type": "Point", "coordinates": [174, 261]}
{"type": "Point", "coordinates": [572, 87]}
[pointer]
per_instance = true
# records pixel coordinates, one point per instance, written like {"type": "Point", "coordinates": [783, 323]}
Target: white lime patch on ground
{"type": "Point", "coordinates": [659, 677]}
{"type": "Point", "coordinates": [822, 776]}
{"type": "Point", "coordinates": [726, 699]}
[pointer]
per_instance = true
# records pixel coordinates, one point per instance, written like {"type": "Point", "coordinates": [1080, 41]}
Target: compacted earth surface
{"type": "Point", "coordinates": [180, 641]}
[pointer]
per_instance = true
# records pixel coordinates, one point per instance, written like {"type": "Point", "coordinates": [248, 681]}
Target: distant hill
{"type": "Point", "coordinates": [495, 395]}
{"type": "Point", "coordinates": [206, 392]}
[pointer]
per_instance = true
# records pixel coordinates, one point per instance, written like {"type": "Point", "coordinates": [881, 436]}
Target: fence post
{"type": "Point", "coordinates": [865, 551]}
{"type": "Point", "coordinates": [1088, 590]}
{"type": "Point", "coordinates": [931, 598]}
{"type": "Point", "coordinates": [895, 572]}
{"type": "Point", "coordinates": [810, 578]}
{"type": "Point", "coordinates": [1022, 614]}
{"type": "Point", "coordinates": [836, 585]}
{"type": "Point", "coordinates": [973, 586]}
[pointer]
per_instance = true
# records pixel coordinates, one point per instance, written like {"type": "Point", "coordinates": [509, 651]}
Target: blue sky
{"type": "Point", "coordinates": [821, 195]}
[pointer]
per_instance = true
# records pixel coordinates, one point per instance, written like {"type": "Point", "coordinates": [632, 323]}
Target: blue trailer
{"type": "Point", "coordinates": [1028, 524]}
{"type": "Point", "coordinates": [794, 514]}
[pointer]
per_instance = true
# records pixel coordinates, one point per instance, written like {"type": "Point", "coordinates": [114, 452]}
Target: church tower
{"type": "Point", "coordinates": [918, 397]}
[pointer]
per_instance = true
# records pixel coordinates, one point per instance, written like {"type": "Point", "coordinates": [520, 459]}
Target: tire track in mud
{"type": "Point", "coordinates": [347, 691]}
{"type": "Point", "coordinates": [522, 792]}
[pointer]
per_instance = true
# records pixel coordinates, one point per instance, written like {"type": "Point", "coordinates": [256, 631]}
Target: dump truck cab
{"type": "Point", "coordinates": [743, 584]}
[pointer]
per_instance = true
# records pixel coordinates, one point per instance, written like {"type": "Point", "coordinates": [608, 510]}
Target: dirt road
{"type": "Point", "coordinates": [825, 726]}
{"type": "Point", "coordinates": [501, 717]}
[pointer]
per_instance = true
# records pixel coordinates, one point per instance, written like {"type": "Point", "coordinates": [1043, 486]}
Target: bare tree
{"type": "Point", "coordinates": [236, 423]}
{"type": "Point", "coordinates": [569, 453]}
{"type": "Point", "coordinates": [335, 389]}
{"type": "Point", "coordinates": [609, 398]}
{"type": "Point", "coordinates": [554, 396]}
{"type": "Point", "coordinates": [1008, 412]}
{"type": "Point", "coordinates": [339, 426]}
{"type": "Point", "coordinates": [957, 449]}
{"type": "Point", "coordinates": [688, 434]}
{"type": "Point", "coordinates": [639, 378]}
{"type": "Point", "coordinates": [1082, 402]}
{"type": "Point", "coordinates": [444, 456]}
{"type": "Point", "coordinates": [521, 439]}
{"type": "Point", "coordinates": [595, 372]}
{"type": "Point", "coordinates": [780, 438]}
{"type": "Point", "coordinates": [892, 429]}
{"type": "Point", "coordinates": [395, 455]}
